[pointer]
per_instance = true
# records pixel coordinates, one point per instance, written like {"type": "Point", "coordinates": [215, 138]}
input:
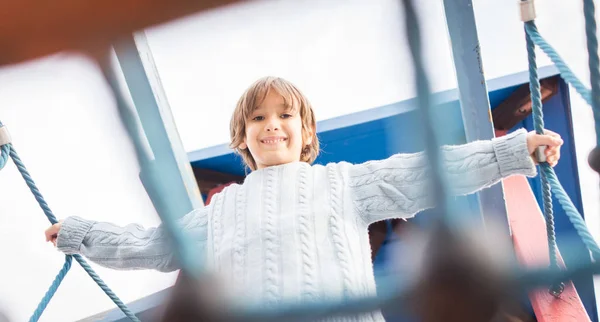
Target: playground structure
{"type": "Point", "coordinates": [163, 142]}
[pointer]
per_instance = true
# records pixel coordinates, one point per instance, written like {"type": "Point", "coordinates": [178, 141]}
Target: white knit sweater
{"type": "Point", "coordinates": [299, 232]}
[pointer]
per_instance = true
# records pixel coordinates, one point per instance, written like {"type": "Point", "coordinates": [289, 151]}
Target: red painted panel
{"type": "Point", "coordinates": [531, 246]}
{"type": "Point", "coordinates": [216, 190]}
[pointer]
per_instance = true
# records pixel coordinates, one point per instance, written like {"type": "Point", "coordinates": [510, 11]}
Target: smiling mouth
{"type": "Point", "coordinates": [273, 140]}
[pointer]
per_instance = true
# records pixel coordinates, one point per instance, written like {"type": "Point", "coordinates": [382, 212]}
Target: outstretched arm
{"type": "Point", "coordinates": [130, 247]}
{"type": "Point", "coordinates": [400, 186]}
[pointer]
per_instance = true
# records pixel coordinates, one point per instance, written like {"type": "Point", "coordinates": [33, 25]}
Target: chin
{"type": "Point", "coordinates": [269, 162]}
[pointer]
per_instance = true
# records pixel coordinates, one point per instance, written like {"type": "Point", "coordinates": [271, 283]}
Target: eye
{"type": "Point", "coordinates": [286, 116]}
{"type": "Point", "coordinates": [258, 118]}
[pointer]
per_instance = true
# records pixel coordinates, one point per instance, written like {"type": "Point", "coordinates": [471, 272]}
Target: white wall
{"type": "Point", "coordinates": [346, 55]}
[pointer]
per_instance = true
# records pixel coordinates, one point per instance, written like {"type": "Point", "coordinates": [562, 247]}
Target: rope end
{"type": "Point", "coordinates": [527, 10]}
{"type": "Point", "coordinates": [4, 136]}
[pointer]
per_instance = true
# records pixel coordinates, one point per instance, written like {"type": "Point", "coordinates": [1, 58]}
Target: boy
{"type": "Point", "coordinates": [293, 231]}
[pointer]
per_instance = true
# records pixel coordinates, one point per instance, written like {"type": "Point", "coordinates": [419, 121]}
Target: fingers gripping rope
{"type": "Point", "coordinates": [567, 74]}
{"type": "Point", "coordinates": [7, 150]}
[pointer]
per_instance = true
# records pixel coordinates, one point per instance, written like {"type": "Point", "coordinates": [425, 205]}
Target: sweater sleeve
{"type": "Point", "coordinates": [400, 186]}
{"type": "Point", "coordinates": [129, 247]}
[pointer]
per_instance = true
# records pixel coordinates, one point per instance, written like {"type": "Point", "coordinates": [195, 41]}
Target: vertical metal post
{"type": "Point", "coordinates": [143, 81]}
{"type": "Point", "coordinates": [474, 101]}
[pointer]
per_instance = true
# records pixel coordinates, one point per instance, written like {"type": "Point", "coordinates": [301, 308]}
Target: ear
{"type": "Point", "coordinates": [308, 136]}
{"type": "Point", "coordinates": [243, 145]}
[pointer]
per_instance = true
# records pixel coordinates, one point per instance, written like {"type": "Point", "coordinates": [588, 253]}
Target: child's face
{"type": "Point", "coordinates": [274, 133]}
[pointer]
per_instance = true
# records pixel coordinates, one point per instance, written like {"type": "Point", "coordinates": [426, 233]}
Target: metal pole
{"type": "Point", "coordinates": [143, 81]}
{"type": "Point", "coordinates": [474, 101]}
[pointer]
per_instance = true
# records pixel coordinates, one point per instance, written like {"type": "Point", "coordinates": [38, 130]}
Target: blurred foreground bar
{"type": "Point", "coordinates": [31, 29]}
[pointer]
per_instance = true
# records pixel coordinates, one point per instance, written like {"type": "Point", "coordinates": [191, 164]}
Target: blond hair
{"type": "Point", "coordinates": [251, 100]}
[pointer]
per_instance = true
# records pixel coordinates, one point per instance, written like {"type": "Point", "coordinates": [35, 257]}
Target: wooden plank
{"type": "Point", "coordinates": [531, 247]}
{"type": "Point", "coordinates": [209, 179]}
{"type": "Point", "coordinates": [517, 106]}
{"type": "Point", "coordinates": [31, 29]}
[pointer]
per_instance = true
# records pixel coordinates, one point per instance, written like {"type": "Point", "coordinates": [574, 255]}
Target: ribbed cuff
{"type": "Point", "coordinates": [512, 154]}
{"type": "Point", "coordinates": [71, 234]}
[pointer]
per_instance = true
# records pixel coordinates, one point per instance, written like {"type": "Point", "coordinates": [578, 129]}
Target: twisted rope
{"type": "Point", "coordinates": [557, 60]}
{"type": "Point", "coordinates": [589, 11]}
{"type": "Point", "coordinates": [548, 178]}
{"type": "Point", "coordinates": [538, 121]}
{"type": "Point", "coordinates": [9, 150]}
{"type": "Point", "coordinates": [565, 71]}
{"type": "Point", "coordinates": [53, 288]}
{"type": "Point", "coordinates": [572, 213]}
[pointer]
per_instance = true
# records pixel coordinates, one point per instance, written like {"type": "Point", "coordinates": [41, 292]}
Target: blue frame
{"type": "Point", "coordinates": [474, 101]}
{"type": "Point", "coordinates": [137, 64]}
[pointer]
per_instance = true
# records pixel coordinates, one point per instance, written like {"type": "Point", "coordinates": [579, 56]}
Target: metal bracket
{"type": "Point", "coordinates": [4, 136]}
{"type": "Point", "coordinates": [527, 10]}
{"type": "Point", "coordinates": [540, 154]}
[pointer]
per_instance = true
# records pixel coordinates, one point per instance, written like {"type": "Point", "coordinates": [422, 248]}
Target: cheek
{"type": "Point", "coordinates": [296, 128]}
{"type": "Point", "coordinates": [250, 134]}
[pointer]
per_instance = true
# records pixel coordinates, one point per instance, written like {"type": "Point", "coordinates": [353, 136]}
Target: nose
{"type": "Point", "coordinates": [273, 124]}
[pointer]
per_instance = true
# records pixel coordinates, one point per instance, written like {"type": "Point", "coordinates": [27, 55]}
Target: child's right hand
{"type": "Point", "coordinates": [52, 233]}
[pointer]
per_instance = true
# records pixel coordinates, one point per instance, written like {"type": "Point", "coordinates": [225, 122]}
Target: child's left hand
{"type": "Point", "coordinates": [551, 140]}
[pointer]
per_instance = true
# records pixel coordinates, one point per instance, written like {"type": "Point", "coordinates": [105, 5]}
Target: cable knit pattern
{"type": "Point", "coordinates": [297, 232]}
{"type": "Point", "coordinates": [217, 225]}
{"type": "Point", "coordinates": [336, 223]}
{"type": "Point", "coordinates": [239, 251]}
{"type": "Point", "coordinates": [402, 181]}
{"type": "Point", "coordinates": [131, 246]}
{"type": "Point", "coordinates": [271, 252]}
{"type": "Point", "coordinates": [307, 248]}
{"type": "Point", "coordinates": [412, 170]}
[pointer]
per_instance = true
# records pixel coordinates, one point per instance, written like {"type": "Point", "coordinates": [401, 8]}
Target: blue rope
{"type": "Point", "coordinates": [9, 150]}
{"type": "Point", "coordinates": [572, 213]}
{"type": "Point", "coordinates": [589, 11]}
{"type": "Point", "coordinates": [53, 288]}
{"type": "Point", "coordinates": [4, 152]}
{"type": "Point", "coordinates": [566, 72]}
{"type": "Point", "coordinates": [538, 121]}
{"type": "Point", "coordinates": [548, 177]}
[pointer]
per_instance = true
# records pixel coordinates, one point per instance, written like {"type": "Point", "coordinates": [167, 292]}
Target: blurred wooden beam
{"type": "Point", "coordinates": [517, 106]}
{"type": "Point", "coordinates": [31, 29]}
